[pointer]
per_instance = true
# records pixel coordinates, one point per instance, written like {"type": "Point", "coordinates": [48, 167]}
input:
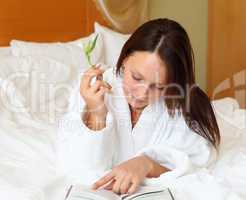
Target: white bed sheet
{"type": "Point", "coordinates": [27, 135]}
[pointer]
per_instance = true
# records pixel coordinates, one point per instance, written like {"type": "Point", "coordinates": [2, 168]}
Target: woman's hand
{"type": "Point", "coordinates": [126, 177]}
{"type": "Point", "coordinates": [93, 95]}
{"type": "Point", "coordinates": [95, 114]}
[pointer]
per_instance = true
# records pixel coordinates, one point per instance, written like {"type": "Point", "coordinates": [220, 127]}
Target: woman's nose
{"type": "Point", "coordinates": [142, 91]}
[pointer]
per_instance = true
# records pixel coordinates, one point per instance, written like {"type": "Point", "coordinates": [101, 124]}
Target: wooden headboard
{"type": "Point", "coordinates": [226, 50]}
{"type": "Point", "coordinates": [47, 20]}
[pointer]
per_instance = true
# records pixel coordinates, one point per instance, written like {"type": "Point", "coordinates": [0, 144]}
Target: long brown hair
{"type": "Point", "coordinates": [171, 42]}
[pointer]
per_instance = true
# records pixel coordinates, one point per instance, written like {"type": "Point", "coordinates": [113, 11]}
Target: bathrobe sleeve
{"type": "Point", "coordinates": [84, 155]}
{"type": "Point", "coordinates": [180, 149]}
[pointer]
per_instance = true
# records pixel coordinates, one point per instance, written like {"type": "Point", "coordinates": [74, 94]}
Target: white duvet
{"type": "Point", "coordinates": [27, 135]}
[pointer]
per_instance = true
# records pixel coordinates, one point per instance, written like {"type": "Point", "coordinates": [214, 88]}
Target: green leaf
{"type": "Point", "coordinates": [88, 48]}
{"type": "Point", "coordinates": [94, 43]}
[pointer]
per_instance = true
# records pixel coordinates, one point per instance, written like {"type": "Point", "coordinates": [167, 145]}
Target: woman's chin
{"type": "Point", "coordinates": [137, 105]}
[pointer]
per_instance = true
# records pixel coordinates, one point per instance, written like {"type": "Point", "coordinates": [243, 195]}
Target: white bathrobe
{"type": "Point", "coordinates": [85, 155]}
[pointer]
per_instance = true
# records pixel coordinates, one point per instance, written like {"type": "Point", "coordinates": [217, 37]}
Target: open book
{"type": "Point", "coordinates": [81, 192]}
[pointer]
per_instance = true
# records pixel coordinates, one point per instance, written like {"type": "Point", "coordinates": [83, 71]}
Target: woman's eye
{"type": "Point", "coordinates": [160, 88]}
{"type": "Point", "coordinates": [155, 87]}
{"type": "Point", "coordinates": [136, 78]}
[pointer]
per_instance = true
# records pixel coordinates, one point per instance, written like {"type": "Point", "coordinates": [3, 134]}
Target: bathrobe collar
{"type": "Point", "coordinates": [150, 119]}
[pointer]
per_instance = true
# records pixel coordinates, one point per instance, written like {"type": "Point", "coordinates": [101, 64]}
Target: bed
{"type": "Point", "coordinates": [27, 133]}
{"type": "Point", "coordinates": [4, 51]}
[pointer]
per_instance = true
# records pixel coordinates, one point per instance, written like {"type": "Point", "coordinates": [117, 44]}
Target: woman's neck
{"type": "Point", "coordinates": [135, 114]}
{"type": "Point", "coordinates": [137, 111]}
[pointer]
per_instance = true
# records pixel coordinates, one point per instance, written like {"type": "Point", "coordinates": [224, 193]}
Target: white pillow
{"type": "Point", "coordinates": [113, 43]}
{"type": "Point", "coordinates": [42, 86]}
{"type": "Point", "coordinates": [69, 53]}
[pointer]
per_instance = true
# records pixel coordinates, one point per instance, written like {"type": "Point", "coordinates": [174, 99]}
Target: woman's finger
{"type": "Point", "coordinates": [96, 86]}
{"type": "Point", "coordinates": [110, 185]}
{"type": "Point", "coordinates": [117, 185]}
{"type": "Point", "coordinates": [102, 181]}
{"type": "Point", "coordinates": [88, 75]}
{"type": "Point", "coordinates": [125, 185]}
{"type": "Point", "coordinates": [133, 187]}
{"type": "Point", "coordinates": [107, 85]}
{"type": "Point", "coordinates": [102, 91]}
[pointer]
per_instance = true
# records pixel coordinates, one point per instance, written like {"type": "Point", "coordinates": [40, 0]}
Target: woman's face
{"type": "Point", "coordinates": [144, 78]}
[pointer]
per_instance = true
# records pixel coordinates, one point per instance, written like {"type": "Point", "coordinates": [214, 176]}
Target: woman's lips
{"type": "Point", "coordinates": [136, 99]}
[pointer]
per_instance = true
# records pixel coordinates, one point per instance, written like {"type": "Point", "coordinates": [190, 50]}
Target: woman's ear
{"type": "Point", "coordinates": [122, 68]}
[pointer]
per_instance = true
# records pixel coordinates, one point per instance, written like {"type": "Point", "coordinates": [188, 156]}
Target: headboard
{"type": "Point", "coordinates": [226, 50]}
{"type": "Point", "coordinates": [47, 20]}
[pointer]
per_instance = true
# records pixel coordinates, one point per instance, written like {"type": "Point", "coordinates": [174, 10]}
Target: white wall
{"type": "Point", "coordinates": [192, 15]}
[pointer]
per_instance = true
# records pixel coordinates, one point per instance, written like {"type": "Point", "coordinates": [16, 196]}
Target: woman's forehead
{"type": "Point", "coordinates": [147, 65]}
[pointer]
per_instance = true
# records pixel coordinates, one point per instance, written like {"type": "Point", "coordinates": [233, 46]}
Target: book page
{"type": "Point", "coordinates": [143, 192]}
{"type": "Point", "coordinates": [85, 192]}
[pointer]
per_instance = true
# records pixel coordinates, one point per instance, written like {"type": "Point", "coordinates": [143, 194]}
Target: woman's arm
{"type": "Point", "coordinates": [86, 138]}
{"type": "Point", "coordinates": [180, 150]}
{"type": "Point", "coordinates": [127, 176]}
{"type": "Point", "coordinates": [156, 169]}
{"type": "Point", "coordinates": [94, 121]}
{"type": "Point", "coordinates": [84, 154]}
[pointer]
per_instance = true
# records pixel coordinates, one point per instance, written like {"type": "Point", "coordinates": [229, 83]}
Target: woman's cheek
{"type": "Point", "coordinates": [129, 85]}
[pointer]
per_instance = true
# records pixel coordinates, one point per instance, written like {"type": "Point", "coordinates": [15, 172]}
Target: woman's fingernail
{"type": "Point", "coordinates": [98, 65]}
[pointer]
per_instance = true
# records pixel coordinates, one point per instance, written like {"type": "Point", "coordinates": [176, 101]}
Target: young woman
{"type": "Point", "coordinates": [146, 120]}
